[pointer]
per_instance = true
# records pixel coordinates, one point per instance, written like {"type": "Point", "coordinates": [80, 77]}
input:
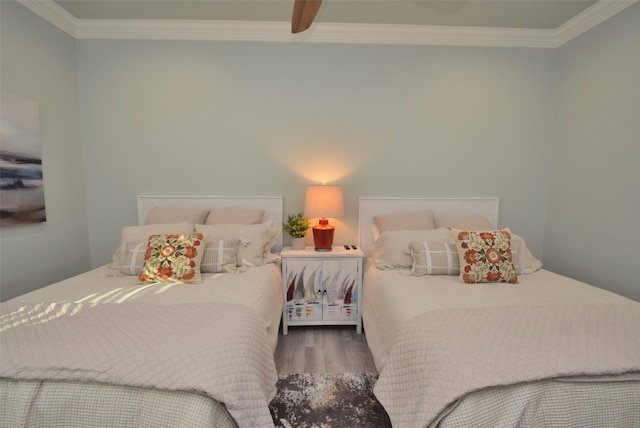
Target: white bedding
{"type": "Point", "coordinates": [51, 402]}
{"type": "Point", "coordinates": [259, 288]}
{"type": "Point", "coordinates": [397, 335]}
{"type": "Point", "coordinates": [461, 351]}
{"type": "Point", "coordinates": [408, 320]}
{"type": "Point", "coordinates": [390, 299]}
{"type": "Point", "coordinates": [216, 349]}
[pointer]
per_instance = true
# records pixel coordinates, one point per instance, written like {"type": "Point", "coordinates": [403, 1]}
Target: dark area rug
{"type": "Point", "coordinates": [309, 400]}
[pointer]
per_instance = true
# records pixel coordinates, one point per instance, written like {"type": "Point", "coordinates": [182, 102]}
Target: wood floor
{"type": "Point", "coordinates": [323, 349]}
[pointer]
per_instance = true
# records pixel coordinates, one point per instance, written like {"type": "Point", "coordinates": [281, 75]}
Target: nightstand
{"type": "Point", "coordinates": [321, 288]}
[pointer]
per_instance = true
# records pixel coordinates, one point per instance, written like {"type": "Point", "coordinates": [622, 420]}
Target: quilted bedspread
{"type": "Point", "coordinates": [442, 356]}
{"type": "Point", "coordinates": [216, 349]}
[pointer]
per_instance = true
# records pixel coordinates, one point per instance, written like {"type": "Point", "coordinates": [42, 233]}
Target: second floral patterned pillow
{"type": "Point", "coordinates": [485, 256]}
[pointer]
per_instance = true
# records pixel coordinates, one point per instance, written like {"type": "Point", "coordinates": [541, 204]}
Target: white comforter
{"type": "Point", "coordinates": [259, 288]}
{"type": "Point", "coordinates": [217, 349]}
{"type": "Point", "coordinates": [443, 355]}
{"type": "Point", "coordinates": [391, 299]}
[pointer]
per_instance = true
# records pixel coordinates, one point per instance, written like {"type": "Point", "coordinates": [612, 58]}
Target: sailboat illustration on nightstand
{"type": "Point", "coordinates": [322, 289]}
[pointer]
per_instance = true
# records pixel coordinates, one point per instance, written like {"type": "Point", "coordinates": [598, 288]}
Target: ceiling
{"type": "Point", "coordinates": [538, 14]}
{"type": "Point", "coordinates": [498, 23]}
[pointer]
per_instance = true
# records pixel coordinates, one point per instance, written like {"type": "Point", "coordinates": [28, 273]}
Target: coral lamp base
{"type": "Point", "coordinates": [323, 235]}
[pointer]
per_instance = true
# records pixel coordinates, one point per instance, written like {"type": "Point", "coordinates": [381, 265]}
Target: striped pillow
{"type": "Point", "coordinates": [132, 258]}
{"type": "Point", "coordinates": [434, 258]}
{"type": "Point", "coordinates": [220, 256]}
{"type": "Point", "coordinates": [256, 240]}
{"type": "Point", "coordinates": [391, 250]}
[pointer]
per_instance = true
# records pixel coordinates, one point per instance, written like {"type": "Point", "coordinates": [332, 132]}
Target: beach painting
{"type": "Point", "coordinates": [21, 181]}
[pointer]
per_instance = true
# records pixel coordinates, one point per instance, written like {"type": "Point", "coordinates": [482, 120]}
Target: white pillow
{"type": "Point", "coordinates": [391, 250]}
{"type": "Point", "coordinates": [163, 215]}
{"type": "Point", "coordinates": [256, 240]}
{"type": "Point", "coordinates": [421, 220]}
{"type": "Point", "coordinates": [472, 222]}
{"type": "Point", "coordinates": [523, 259]}
{"type": "Point", "coordinates": [227, 215]}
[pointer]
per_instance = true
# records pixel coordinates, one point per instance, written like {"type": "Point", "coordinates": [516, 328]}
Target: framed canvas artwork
{"type": "Point", "coordinates": [21, 181]}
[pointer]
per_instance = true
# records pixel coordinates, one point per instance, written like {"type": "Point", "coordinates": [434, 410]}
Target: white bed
{"type": "Point", "coordinates": [547, 351]}
{"type": "Point", "coordinates": [195, 355]}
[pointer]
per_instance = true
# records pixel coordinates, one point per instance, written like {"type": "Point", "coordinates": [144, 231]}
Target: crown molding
{"type": "Point", "coordinates": [247, 31]}
{"type": "Point", "coordinates": [53, 13]}
{"type": "Point", "coordinates": [319, 33]}
{"type": "Point", "coordinates": [260, 31]}
{"type": "Point", "coordinates": [589, 18]}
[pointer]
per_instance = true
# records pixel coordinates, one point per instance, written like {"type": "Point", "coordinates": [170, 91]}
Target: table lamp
{"type": "Point", "coordinates": [322, 202]}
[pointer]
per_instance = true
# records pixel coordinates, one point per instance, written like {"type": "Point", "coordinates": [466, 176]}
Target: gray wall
{"type": "Point", "coordinates": [180, 117]}
{"type": "Point", "coordinates": [593, 211]}
{"type": "Point", "coordinates": [38, 63]}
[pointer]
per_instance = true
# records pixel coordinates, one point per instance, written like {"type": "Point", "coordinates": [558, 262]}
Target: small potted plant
{"type": "Point", "coordinates": [296, 226]}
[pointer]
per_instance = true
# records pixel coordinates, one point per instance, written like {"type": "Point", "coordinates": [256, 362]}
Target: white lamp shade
{"type": "Point", "coordinates": [323, 202]}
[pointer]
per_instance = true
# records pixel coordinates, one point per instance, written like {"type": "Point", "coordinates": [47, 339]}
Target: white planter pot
{"type": "Point", "coordinates": [297, 243]}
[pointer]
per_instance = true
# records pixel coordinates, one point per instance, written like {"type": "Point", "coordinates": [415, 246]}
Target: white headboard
{"type": "Point", "coordinates": [441, 207]}
{"type": "Point", "coordinates": [272, 205]}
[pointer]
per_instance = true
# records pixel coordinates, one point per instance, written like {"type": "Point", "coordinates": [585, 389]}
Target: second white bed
{"type": "Point", "coordinates": [548, 351]}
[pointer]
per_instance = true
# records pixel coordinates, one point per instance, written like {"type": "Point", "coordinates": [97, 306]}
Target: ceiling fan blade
{"type": "Point", "coordinates": [303, 13]}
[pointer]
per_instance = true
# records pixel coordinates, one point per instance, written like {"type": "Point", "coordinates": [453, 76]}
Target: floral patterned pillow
{"type": "Point", "coordinates": [485, 256]}
{"type": "Point", "coordinates": [173, 258]}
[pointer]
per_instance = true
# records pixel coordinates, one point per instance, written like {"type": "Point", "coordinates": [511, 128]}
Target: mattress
{"type": "Point", "coordinates": [61, 402]}
{"type": "Point", "coordinates": [427, 343]}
